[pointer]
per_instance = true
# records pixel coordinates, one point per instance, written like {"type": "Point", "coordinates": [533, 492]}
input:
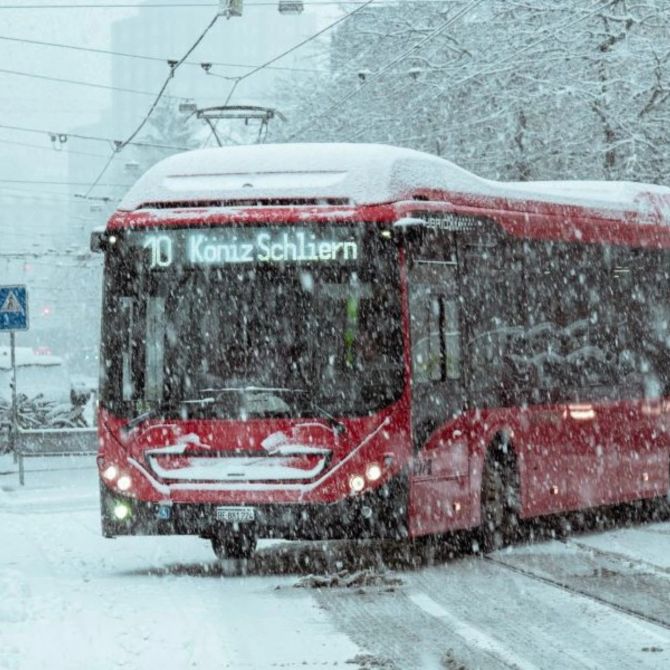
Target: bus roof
{"type": "Point", "coordinates": [354, 174]}
{"type": "Point", "coordinates": [360, 174]}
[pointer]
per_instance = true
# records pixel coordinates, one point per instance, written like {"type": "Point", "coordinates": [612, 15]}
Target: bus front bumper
{"type": "Point", "coordinates": [380, 513]}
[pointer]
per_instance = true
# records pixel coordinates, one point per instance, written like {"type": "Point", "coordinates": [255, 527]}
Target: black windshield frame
{"type": "Point", "coordinates": [336, 327]}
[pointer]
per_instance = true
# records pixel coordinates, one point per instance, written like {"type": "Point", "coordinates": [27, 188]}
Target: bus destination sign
{"type": "Point", "coordinates": [237, 246]}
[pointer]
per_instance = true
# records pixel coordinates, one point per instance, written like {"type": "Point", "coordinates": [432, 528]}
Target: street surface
{"type": "Point", "coordinates": [70, 599]}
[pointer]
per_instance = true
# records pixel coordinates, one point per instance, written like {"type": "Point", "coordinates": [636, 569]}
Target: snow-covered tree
{"type": "Point", "coordinates": [508, 88]}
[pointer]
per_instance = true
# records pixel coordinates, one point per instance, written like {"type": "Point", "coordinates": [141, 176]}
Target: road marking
{"type": "Point", "coordinates": [473, 636]}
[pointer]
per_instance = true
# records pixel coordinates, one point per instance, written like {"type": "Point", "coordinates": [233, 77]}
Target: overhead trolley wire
{"type": "Point", "coordinates": [46, 148]}
{"type": "Point", "coordinates": [173, 68]}
{"type": "Point", "coordinates": [77, 82]}
{"type": "Point", "coordinates": [91, 138]}
{"type": "Point", "coordinates": [269, 3]}
{"type": "Point", "coordinates": [155, 59]}
{"type": "Point", "coordinates": [174, 65]}
{"type": "Point", "coordinates": [58, 183]}
{"type": "Point", "coordinates": [268, 64]}
{"type": "Point", "coordinates": [306, 40]}
{"type": "Point", "coordinates": [26, 192]}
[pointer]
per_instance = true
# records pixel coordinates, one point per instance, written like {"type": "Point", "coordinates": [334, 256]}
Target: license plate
{"type": "Point", "coordinates": [235, 514]}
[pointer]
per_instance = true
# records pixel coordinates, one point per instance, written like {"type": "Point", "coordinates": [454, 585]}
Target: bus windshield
{"type": "Point", "coordinates": [242, 322]}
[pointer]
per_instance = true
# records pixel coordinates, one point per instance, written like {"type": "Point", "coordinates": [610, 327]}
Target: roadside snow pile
{"type": "Point", "coordinates": [346, 579]}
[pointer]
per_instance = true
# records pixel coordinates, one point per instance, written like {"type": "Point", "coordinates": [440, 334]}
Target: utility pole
{"type": "Point", "coordinates": [13, 317]}
{"type": "Point", "coordinates": [14, 416]}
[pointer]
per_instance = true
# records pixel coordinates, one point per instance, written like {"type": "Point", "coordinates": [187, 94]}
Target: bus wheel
{"type": "Point", "coordinates": [229, 543]}
{"type": "Point", "coordinates": [499, 504]}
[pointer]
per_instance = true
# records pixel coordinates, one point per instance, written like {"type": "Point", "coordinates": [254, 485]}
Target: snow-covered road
{"type": "Point", "coordinates": [71, 599]}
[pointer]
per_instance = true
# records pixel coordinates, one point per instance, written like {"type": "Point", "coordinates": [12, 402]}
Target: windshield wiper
{"type": "Point", "coordinates": [161, 409]}
{"type": "Point", "coordinates": [338, 426]}
{"type": "Point", "coordinates": [250, 389]}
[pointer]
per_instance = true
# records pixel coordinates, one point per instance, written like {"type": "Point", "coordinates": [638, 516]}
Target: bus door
{"type": "Point", "coordinates": [438, 482]}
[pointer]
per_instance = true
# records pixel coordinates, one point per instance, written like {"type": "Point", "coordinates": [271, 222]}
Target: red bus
{"type": "Point", "coordinates": [327, 341]}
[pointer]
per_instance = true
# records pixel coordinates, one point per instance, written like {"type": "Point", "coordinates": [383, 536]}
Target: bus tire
{"type": "Point", "coordinates": [232, 544]}
{"type": "Point", "coordinates": [499, 500]}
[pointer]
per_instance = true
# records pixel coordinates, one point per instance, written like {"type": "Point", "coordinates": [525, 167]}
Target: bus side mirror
{"type": "Point", "coordinates": [100, 241]}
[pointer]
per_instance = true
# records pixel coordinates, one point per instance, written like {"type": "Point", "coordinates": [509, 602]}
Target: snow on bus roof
{"type": "Point", "coordinates": [619, 195]}
{"type": "Point", "coordinates": [358, 174]}
{"type": "Point", "coordinates": [355, 173]}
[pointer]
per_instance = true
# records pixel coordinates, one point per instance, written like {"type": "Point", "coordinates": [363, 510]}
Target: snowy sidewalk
{"type": "Point", "coordinates": [71, 599]}
{"type": "Point", "coordinates": [51, 484]}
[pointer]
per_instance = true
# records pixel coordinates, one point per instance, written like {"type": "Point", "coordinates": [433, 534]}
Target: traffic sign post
{"type": "Point", "coordinates": [13, 308]}
{"type": "Point", "coordinates": [13, 317]}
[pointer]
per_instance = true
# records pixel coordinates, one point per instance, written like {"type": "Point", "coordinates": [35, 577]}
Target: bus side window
{"type": "Point", "coordinates": [452, 337]}
{"type": "Point", "coordinates": [435, 308]}
{"type": "Point", "coordinates": [125, 321]}
{"type": "Point", "coordinates": [155, 348]}
{"type": "Point", "coordinates": [436, 353]}
{"type": "Point", "coordinates": [492, 309]}
{"type": "Point", "coordinates": [641, 285]}
{"type": "Point", "coordinates": [428, 342]}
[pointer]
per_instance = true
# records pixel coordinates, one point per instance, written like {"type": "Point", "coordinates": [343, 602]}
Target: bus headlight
{"type": "Point", "coordinates": [356, 483]}
{"type": "Point", "coordinates": [121, 511]}
{"type": "Point", "coordinates": [110, 473]}
{"type": "Point", "coordinates": [124, 482]}
{"type": "Point", "coordinates": [373, 472]}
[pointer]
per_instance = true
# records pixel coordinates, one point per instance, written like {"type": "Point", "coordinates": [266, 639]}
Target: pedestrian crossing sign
{"type": "Point", "coordinates": [13, 308]}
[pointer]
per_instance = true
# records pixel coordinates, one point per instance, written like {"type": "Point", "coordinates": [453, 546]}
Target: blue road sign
{"type": "Point", "coordinates": [13, 308]}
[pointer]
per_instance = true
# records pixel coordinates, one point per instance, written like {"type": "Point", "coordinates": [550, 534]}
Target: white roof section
{"type": "Point", "coordinates": [359, 174]}
{"type": "Point", "coordinates": [620, 195]}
